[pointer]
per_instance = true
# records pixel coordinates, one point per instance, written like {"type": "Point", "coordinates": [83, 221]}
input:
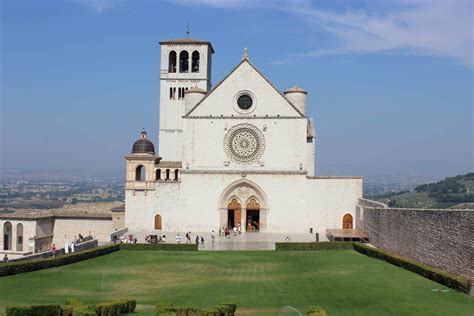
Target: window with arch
{"type": "Point", "coordinates": [158, 174]}
{"type": "Point", "coordinates": [172, 62]}
{"type": "Point", "coordinates": [195, 61]}
{"type": "Point", "coordinates": [176, 174]}
{"type": "Point", "coordinates": [7, 236]}
{"type": "Point", "coordinates": [184, 61]}
{"type": "Point", "coordinates": [347, 221]}
{"type": "Point", "coordinates": [167, 174]}
{"type": "Point", "coordinates": [140, 173]}
{"type": "Point", "coordinates": [158, 222]}
{"type": "Point", "coordinates": [19, 237]}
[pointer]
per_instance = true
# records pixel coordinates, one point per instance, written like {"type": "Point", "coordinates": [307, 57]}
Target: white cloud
{"type": "Point", "coordinates": [97, 6]}
{"type": "Point", "coordinates": [441, 28]}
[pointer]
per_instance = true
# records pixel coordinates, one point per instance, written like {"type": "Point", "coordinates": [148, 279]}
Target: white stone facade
{"type": "Point", "coordinates": [246, 158]}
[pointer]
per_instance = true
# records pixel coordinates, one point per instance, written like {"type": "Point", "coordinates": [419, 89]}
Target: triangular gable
{"type": "Point", "coordinates": [245, 76]}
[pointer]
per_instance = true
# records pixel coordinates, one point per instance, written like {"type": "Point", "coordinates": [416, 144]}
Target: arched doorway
{"type": "Point", "coordinates": [253, 216]}
{"type": "Point", "coordinates": [19, 237]}
{"type": "Point", "coordinates": [233, 213]}
{"type": "Point", "coordinates": [158, 222]}
{"type": "Point", "coordinates": [7, 236]}
{"type": "Point", "coordinates": [347, 221]}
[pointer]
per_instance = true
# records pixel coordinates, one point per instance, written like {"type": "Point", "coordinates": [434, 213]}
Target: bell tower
{"type": "Point", "coordinates": [185, 64]}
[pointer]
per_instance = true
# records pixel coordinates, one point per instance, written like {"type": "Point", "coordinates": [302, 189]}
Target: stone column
{"type": "Point", "coordinates": [243, 219]}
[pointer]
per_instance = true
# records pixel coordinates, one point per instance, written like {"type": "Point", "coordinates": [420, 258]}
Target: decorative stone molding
{"type": "Point", "coordinates": [244, 143]}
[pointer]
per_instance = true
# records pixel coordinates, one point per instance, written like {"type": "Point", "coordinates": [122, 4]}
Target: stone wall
{"type": "Point", "coordinates": [441, 238]}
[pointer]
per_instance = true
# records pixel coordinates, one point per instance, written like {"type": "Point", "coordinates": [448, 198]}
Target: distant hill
{"type": "Point", "coordinates": [452, 192]}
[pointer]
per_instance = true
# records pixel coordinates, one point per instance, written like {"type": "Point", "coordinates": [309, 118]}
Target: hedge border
{"type": "Point", "coordinates": [13, 268]}
{"type": "Point", "coordinates": [166, 309]}
{"type": "Point", "coordinates": [448, 279]}
{"type": "Point", "coordinates": [309, 246]}
{"type": "Point", "coordinates": [160, 247]}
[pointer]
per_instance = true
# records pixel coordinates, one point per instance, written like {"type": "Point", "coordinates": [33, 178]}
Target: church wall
{"type": "Point", "coordinates": [329, 198]}
{"type": "Point", "coordinates": [141, 208]}
{"type": "Point", "coordinates": [285, 194]}
{"type": "Point", "coordinates": [29, 231]}
{"type": "Point", "coordinates": [285, 144]}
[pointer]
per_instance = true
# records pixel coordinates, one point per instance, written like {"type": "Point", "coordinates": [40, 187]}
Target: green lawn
{"type": "Point", "coordinates": [260, 283]}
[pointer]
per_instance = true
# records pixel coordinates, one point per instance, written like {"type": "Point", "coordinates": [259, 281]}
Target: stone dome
{"type": "Point", "coordinates": [143, 145]}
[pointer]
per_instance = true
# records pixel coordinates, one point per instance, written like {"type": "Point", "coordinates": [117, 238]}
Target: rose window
{"type": "Point", "coordinates": [244, 143]}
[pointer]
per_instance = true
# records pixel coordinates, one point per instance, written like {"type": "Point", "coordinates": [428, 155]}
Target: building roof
{"type": "Point", "coordinates": [80, 210]}
{"type": "Point", "coordinates": [195, 89]}
{"type": "Point", "coordinates": [143, 145]}
{"type": "Point", "coordinates": [188, 40]}
{"type": "Point", "coordinates": [295, 89]}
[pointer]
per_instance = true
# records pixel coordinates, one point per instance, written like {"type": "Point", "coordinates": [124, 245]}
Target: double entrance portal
{"type": "Point", "coordinates": [251, 215]}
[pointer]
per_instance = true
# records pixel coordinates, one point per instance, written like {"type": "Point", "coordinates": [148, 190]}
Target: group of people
{"type": "Point", "coordinates": [153, 239]}
{"type": "Point", "coordinates": [126, 239]}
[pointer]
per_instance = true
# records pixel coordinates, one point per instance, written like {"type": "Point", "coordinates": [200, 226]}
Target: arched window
{"type": "Point", "coordinates": [7, 236]}
{"type": "Point", "coordinates": [176, 174]}
{"type": "Point", "coordinates": [347, 221]}
{"type": "Point", "coordinates": [158, 174]}
{"type": "Point", "coordinates": [195, 61]}
{"type": "Point", "coordinates": [184, 61]}
{"type": "Point", "coordinates": [158, 222]}
{"type": "Point", "coordinates": [172, 62]}
{"type": "Point", "coordinates": [19, 237]}
{"type": "Point", "coordinates": [171, 93]}
{"type": "Point", "coordinates": [140, 173]}
{"type": "Point", "coordinates": [167, 174]}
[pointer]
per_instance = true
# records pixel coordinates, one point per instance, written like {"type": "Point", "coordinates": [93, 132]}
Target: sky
{"type": "Point", "coordinates": [390, 82]}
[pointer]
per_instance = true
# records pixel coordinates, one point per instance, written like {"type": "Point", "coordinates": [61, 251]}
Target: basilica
{"type": "Point", "coordinates": [237, 154]}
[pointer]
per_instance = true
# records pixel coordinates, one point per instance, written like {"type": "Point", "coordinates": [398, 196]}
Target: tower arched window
{"type": "Point", "coordinates": [195, 61]}
{"type": "Point", "coordinates": [184, 61]}
{"type": "Point", "coordinates": [158, 174]}
{"type": "Point", "coordinates": [167, 174]}
{"type": "Point", "coordinates": [140, 173]}
{"type": "Point", "coordinates": [176, 174]}
{"type": "Point", "coordinates": [172, 62]}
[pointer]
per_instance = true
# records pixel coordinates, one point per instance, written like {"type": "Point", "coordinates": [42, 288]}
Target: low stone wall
{"type": "Point", "coordinates": [46, 254]}
{"type": "Point", "coordinates": [441, 238]}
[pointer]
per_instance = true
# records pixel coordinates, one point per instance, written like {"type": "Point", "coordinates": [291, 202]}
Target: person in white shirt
{"type": "Point", "coordinates": [213, 236]}
{"type": "Point", "coordinates": [178, 239]}
{"type": "Point", "coordinates": [66, 247]}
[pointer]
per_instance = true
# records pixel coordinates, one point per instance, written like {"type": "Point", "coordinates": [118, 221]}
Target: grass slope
{"type": "Point", "coordinates": [343, 282]}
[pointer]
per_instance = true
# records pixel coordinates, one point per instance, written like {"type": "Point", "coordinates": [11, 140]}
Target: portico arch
{"type": "Point", "coordinates": [244, 191]}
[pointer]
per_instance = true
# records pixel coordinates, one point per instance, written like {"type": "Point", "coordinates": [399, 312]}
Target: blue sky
{"type": "Point", "coordinates": [390, 83]}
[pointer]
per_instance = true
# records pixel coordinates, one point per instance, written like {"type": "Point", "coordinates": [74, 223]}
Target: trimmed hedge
{"type": "Point", "coordinates": [316, 311]}
{"type": "Point", "coordinates": [165, 247]}
{"type": "Point", "coordinates": [325, 245]}
{"type": "Point", "coordinates": [217, 310]}
{"type": "Point", "coordinates": [74, 307]}
{"type": "Point", "coordinates": [39, 264]}
{"type": "Point", "coordinates": [34, 310]}
{"type": "Point", "coordinates": [448, 279]}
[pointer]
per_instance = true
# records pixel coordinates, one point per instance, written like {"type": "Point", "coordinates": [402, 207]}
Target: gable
{"type": "Point", "coordinates": [245, 79]}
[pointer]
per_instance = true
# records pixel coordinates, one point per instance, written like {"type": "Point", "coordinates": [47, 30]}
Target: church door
{"type": "Point", "coordinates": [158, 222]}
{"type": "Point", "coordinates": [233, 213]}
{"type": "Point", "coordinates": [253, 216]}
{"type": "Point", "coordinates": [347, 221]}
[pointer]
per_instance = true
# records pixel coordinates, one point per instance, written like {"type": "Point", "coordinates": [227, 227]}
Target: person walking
{"type": "Point", "coordinates": [53, 250]}
{"type": "Point", "coordinates": [5, 258]}
{"type": "Point", "coordinates": [197, 240]}
{"type": "Point", "coordinates": [66, 248]}
{"type": "Point", "coordinates": [213, 236]}
{"type": "Point", "coordinates": [178, 239]}
{"type": "Point", "coordinates": [188, 238]}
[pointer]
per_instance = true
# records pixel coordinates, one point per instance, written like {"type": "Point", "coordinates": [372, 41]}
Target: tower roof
{"type": "Point", "coordinates": [143, 145]}
{"type": "Point", "coordinates": [187, 40]}
{"type": "Point", "coordinates": [295, 89]}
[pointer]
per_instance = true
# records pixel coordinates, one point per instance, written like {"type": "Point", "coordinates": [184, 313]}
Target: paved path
{"type": "Point", "coordinates": [243, 241]}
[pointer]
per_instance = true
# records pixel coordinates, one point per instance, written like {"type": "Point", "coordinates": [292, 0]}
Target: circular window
{"type": "Point", "coordinates": [244, 143]}
{"type": "Point", "coordinates": [244, 102]}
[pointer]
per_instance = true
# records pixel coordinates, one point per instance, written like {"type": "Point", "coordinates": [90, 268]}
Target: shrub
{"type": "Point", "coordinates": [325, 245]}
{"type": "Point", "coordinates": [39, 264]}
{"type": "Point", "coordinates": [34, 310]}
{"type": "Point", "coordinates": [166, 309]}
{"type": "Point", "coordinates": [316, 311]}
{"type": "Point", "coordinates": [168, 247]}
{"type": "Point", "coordinates": [114, 308]}
{"type": "Point", "coordinates": [448, 279]}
